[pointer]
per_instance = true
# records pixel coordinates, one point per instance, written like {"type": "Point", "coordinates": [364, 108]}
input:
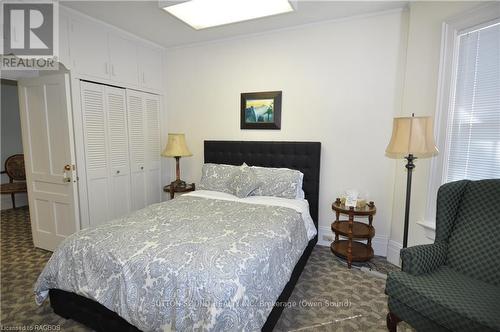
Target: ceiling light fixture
{"type": "Point", "coordinates": [201, 14]}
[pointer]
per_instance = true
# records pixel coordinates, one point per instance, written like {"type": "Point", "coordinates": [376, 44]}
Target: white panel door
{"type": "Point", "coordinates": [137, 148]}
{"type": "Point", "coordinates": [151, 67]}
{"type": "Point", "coordinates": [49, 157]}
{"type": "Point", "coordinates": [123, 59]}
{"type": "Point", "coordinates": [153, 149]}
{"type": "Point", "coordinates": [96, 152]}
{"type": "Point", "coordinates": [89, 48]}
{"type": "Point", "coordinates": [118, 156]}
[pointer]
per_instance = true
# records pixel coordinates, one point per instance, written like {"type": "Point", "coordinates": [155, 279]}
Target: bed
{"type": "Point", "coordinates": [302, 156]}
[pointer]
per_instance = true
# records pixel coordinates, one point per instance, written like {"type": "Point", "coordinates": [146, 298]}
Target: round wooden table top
{"type": "Point", "coordinates": [367, 210]}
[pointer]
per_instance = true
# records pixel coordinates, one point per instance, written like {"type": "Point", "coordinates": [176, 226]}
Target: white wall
{"type": "Point", "coordinates": [419, 97]}
{"type": "Point", "coordinates": [11, 136]}
{"type": "Point", "coordinates": [341, 86]}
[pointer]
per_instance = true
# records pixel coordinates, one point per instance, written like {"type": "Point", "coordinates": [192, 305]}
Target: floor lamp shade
{"type": "Point", "coordinates": [412, 138]}
{"type": "Point", "coordinates": [412, 135]}
{"type": "Point", "coordinates": [177, 148]}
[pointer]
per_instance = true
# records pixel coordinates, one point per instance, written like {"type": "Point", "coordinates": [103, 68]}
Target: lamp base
{"type": "Point", "coordinates": [178, 183]}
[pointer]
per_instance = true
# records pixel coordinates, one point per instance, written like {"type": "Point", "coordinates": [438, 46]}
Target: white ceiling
{"type": "Point", "coordinates": [147, 20]}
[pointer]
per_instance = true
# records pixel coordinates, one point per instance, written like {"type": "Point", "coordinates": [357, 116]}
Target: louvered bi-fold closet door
{"type": "Point", "coordinates": [137, 148]}
{"type": "Point", "coordinates": [153, 148]}
{"type": "Point", "coordinates": [118, 150]}
{"type": "Point", "coordinates": [96, 152]}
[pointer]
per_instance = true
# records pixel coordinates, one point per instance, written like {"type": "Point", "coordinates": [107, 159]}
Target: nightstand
{"type": "Point", "coordinates": [170, 189]}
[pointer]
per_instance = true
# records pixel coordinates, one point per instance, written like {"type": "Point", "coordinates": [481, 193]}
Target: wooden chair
{"type": "Point", "coordinates": [14, 168]}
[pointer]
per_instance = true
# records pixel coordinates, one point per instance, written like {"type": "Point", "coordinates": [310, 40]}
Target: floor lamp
{"type": "Point", "coordinates": [412, 138]}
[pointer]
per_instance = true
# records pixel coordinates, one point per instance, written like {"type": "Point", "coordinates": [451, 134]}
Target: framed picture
{"type": "Point", "coordinates": [261, 110]}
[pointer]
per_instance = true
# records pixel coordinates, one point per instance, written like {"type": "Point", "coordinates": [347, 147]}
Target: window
{"type": "Point", "coordinates": [473, 129]}
{"type": "Point", "coordinates": [468, 110]}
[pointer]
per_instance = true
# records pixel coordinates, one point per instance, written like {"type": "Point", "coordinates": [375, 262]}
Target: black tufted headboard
{"type": "Point", "coordinates": [302, 156]}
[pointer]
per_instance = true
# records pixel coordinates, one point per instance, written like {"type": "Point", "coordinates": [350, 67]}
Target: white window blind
{"type": "Point", "coordinates": [473, 133]}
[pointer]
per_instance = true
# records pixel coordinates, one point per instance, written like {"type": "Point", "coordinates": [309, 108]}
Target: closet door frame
{"type": "Point", "coordinates": [148, 165]}
{"type": "Point", "coordinates": [167, 165]}
{"type": "Point", "coordinates": [81, 168]}
{"type": "Point", "coordinates": [80, 147]}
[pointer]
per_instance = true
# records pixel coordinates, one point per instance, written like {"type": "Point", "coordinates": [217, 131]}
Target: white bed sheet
{"type": "Point", "coordinates": [299, 205]}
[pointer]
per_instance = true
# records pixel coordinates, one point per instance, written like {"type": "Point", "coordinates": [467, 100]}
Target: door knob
{"type": "Point", "coordinates": [66, 178]}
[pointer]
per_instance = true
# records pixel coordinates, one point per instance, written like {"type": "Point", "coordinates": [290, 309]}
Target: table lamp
{"type": "Point", "coordinates": [177, 148]}
{"type": "Point", "coordinates": [412, 138]}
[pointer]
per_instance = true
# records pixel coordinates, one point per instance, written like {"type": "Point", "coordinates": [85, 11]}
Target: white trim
{"type": "Point", "coordinates": [107, 81]}
{"type": "Point", "coordinates": [445, 94]}
{"type": "Point", "coordinates": [479, 27]}
{"type": "Point", "coordinates": [165, 168]}
{"type": "Point", "coordinates": [80, 152]}
{"type": "Point", "coordinates": [325, 232]}
{"type": "Point", "coordinates": [379, 242]}
{"type": "Point", "coordinates": [289, 28]}
{"type": "Point", "coordinates": [393, 249]}
{"type": "Point", "coordinates": [429, 228]}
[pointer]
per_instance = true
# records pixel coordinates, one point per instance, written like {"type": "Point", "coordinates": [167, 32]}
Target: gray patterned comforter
{"type": "Point", "coordinates": [191, 263]}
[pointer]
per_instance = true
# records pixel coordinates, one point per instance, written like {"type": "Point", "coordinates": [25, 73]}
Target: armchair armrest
{"type": "Point", "coordinates": [423, 259]}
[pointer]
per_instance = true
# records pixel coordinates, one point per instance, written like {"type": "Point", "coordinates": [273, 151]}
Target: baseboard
{"type": "Point", "coordinates": [393, 249]}
{"type": "Point", "coordinates": [325, 236]}
{"type": "Point", "coordinates": [379, 242]}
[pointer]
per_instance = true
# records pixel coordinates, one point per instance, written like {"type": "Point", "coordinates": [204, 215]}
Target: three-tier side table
{"type": "Point", "coordinates": [347, 248]}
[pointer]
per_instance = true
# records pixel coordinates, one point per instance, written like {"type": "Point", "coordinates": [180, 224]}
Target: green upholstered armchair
{"type": "Point", "coordinates": [453, 284]}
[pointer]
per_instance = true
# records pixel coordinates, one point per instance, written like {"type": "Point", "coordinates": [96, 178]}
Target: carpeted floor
{"type": "Point", "coordinates": [328, 296]}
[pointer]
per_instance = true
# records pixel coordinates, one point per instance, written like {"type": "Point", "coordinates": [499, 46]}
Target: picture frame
{"type": "Point", "coordinates": [260, 110]}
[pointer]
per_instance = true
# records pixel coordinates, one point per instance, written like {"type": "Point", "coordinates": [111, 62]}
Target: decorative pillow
{"type": "Point", "coordinates": [278, 182]}
{"type": "Point", "coordinates": [216, 176]}
{"type": "Point", "coordinates": [243, 182]}
{"type": "Point", "coordinates": [300, 192]}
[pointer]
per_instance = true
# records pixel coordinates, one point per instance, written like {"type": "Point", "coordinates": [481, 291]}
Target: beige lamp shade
{"type": "Point", "coordinates": [412, 135]}
{"type": "Point", "coordinates": [176, 146]}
